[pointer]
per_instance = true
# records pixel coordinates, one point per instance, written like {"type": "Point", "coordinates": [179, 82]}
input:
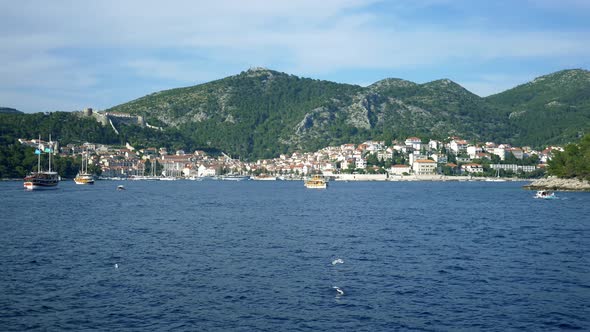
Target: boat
{"type": "Point", "coordinates": [545, 194]}
{"type": "Point", "coordinates": [83, 177]}
{"type": "Point", "coordinates": [41, 180]}
{"type": "Point", "coordinates": [168, 178]}
{"type": "Point", "coordinates": [316, 182]}
{"type": "Point", "coordinates": [235, 177]}
{"type": "Point", "coordinates": [120, 187]}
{"type": "Point", "coordinates": [195, 178]}
{"type": "Point", "coordinates": [264, 177]}
{"type": "Point", "coordinates": [497, 178]}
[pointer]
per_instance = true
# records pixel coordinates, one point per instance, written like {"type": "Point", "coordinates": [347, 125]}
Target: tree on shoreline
{"type": "Point", "coordinates": [573, 162]}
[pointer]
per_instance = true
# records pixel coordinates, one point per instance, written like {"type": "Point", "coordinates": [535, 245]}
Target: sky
{"type": "Point", "coordinates": [66, 55]}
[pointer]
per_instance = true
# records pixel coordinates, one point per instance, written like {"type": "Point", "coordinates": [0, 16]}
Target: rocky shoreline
{"type": "Point", "coordinates": [559, 184]}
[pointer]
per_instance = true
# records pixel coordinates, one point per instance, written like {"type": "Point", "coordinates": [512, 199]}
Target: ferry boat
{"type": "Point", "coordinates": [83, 176]}
{"type": "Point", "coordinates": [316, 182]}
{"type": "Point", "coordinates": [42, 179]}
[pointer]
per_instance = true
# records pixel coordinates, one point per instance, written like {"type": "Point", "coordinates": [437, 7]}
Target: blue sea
{"type": "Point", "coordinates": [258, 256]}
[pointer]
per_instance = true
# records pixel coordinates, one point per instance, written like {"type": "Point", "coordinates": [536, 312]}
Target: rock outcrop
{"type": "Point", "coordinates": [554, 183]}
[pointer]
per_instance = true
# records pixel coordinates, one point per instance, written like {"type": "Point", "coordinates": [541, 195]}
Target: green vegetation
{"type": "Point", "coordinates": [62, 126]}
{"type": "Point", "coordinates": [573, 162]}
{"type": "Point", "coordinates": [552, 109]}
{"type": "Point", "coordinates": [16, 160]}
{"type": "Point", "coordinates": [261, 113]}
{"type": "Point", "coordinates": [8, 110]}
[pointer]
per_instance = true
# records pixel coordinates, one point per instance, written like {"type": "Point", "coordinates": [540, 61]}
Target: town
{"type": "Point", "coordinates": [411, 159]}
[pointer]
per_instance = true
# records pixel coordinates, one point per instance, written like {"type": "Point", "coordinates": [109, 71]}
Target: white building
{"type": "Point", "coordinates": [500, 152]}
{"type": "Point", "coordinates": [385, 154]}
{"type": "Point", "coordinates": [434, 145]}
{"type": "Point", "coordinates": [473, 150]}
{"type": "Point", "coordinates": [424, 167]}
{"type": "Point", "coordinates": [458, 145]}
{"type": "Point", "coordinates": [399, 169]}
{"type": "Point", "coordinates": [472, 168]}
{"type": "Point", "coordinates": [413, 157]}
{"type": "Point", "coordinates": [360, 163]}
{"type": "Point", "coordinates": [206, 171]}
{"type": "Point", "coordinates": [414, 142]}
{"type": "Point", "coordinates": [513, 167]}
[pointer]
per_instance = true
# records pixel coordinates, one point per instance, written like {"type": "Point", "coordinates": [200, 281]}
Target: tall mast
{"type": "Point", "coordinates": [50, 146]}
{"type": "Point", "coordinates": [39, 155]}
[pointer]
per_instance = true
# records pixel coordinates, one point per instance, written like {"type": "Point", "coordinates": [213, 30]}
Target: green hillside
{"type": "Point", "coordinates": [552, 109]}
{"type": "Point", "coordinates": [8, 110]}
{"type": "Point", "coordinates": [261, 113]}
{"type": "Point", "coordinates": [251, 114]}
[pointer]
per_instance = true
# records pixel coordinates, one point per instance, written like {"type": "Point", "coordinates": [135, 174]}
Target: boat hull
{"type": "Point", "coordinates": [84, 178]}
{"type": "Point", "coordinates": [40, 184]}
{"type": "Point", "coordinates": [235, 178]}
{"type": "Point", "coordinates": [316, 186]}
{"type": "Point", "coordinates": [41, 181]}
{"type": "Point", "coordinates": [84, 181]}
{"type": "Point", "coordinates": [33, 186]}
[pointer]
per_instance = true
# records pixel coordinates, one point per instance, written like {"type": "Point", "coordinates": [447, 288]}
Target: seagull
{"type": "Point", "coordinates": [116, 266]}
{"type": "Point", "coordinates": [338, 290]}
{"type": "Point", "coordinates": [337, 261]}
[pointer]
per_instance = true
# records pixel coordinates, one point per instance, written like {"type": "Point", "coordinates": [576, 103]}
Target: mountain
{"type": "Point", "coordinates": [551, 109]}
{"type": "Point", "coordinates": [8, 110]}
{"type": "Point", "coordinates": [262, 113]}
{"type": "Point", "coordinates": [258, 112]}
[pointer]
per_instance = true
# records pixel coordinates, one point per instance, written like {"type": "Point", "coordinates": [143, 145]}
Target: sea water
{"type": "Point", "coordinates": [258, 256]}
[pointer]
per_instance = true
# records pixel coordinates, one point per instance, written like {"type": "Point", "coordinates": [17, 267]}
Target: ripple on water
{"type": "Point", "coordinates": [253, 256]}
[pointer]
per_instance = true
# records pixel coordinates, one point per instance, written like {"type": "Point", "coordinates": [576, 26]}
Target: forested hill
{"type": "Point", "coordinates": [552, 109]}
{"type": "Point", "coordinates": [258, 113]}
{"type": "Point", "coordinates": [8, 110]}
{"type": "Point", "coordinates": [261, 113]}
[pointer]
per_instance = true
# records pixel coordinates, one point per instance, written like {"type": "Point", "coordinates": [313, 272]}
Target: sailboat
{"type": "Point", "coordinates": [83, 176]}
{"type": "Point", "coordinates": [497, 179]}
{"type": "Point", "coordinates": [42, 179]}
{"type": "Point", "coordinates": [154, 167]}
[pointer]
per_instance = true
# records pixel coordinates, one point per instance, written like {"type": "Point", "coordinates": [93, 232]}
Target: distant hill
{"type": "Point", "coordinates": [8, 110]}
{"type": "Point", "coordinates": [552, 109]}
{"type": "Point", "coordinates": [262, 113]}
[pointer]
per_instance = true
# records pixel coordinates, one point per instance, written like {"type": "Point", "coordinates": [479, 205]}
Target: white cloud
{"type": "Point", "coordinates": [43, 44]}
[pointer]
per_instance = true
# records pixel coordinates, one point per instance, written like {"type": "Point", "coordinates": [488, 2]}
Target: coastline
{"type": "Point", "coordinates": [558, 184]}
{"type": "Point", "coordinates": [413, 177]}
{"type": "Point", "coordinates": [361, 178]}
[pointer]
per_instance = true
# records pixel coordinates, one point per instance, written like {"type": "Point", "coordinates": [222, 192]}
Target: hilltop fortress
{"type": "Point", "coordinates": [113, 119]}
